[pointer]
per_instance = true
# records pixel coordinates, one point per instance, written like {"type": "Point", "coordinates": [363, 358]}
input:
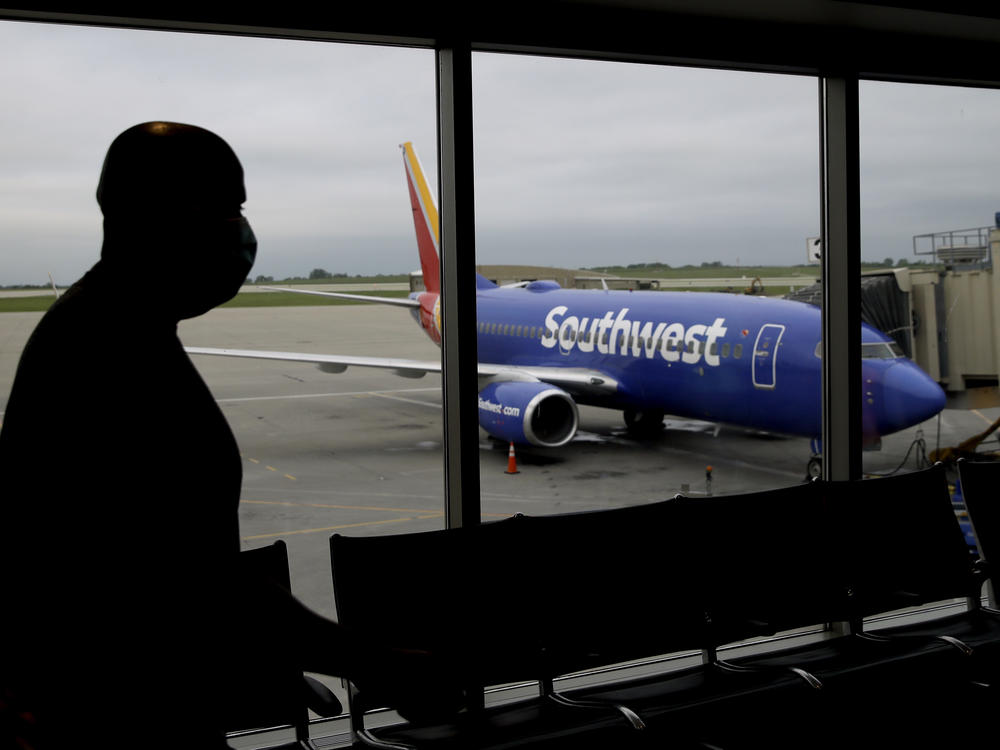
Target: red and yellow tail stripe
{"type": "Point", "coordinates": [425, 219]}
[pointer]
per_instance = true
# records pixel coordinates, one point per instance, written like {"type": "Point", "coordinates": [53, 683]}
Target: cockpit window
{"type": "Point", "coordinates": [881, 350]}
{"type": "Point", "coordinates": [873, 350]}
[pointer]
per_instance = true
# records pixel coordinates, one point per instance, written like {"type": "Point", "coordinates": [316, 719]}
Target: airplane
{"type": "Point", "coordinates": [732, 359]}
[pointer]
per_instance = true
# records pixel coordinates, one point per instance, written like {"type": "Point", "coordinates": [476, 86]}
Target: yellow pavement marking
{"type": "Point", "coordinates": [342, 526]}
{"type": "Point", "coordinates": [288, 503]}
{"type": "Point", "coordinates": [271, 468]}
{"type": "Point", "coordinates": [981, 416]}
{"type": "Point", "coordinates": [411, 514]}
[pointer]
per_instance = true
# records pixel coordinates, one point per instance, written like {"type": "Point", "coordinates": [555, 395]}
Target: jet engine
{"type": "Point", "coordinates": [528, 412]}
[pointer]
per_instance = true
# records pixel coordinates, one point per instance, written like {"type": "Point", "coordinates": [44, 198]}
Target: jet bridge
{"type": "Point", "coordinates": [955, 312]}
{"type": "Point", "coordinates": [943, 312]}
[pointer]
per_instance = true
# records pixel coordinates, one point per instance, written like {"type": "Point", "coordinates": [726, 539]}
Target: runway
{"type": "Point", "coordinates": [360, 452]}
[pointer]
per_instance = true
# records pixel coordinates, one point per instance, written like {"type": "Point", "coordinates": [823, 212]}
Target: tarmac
{"type": "Point", "coordinates": [360, 452]}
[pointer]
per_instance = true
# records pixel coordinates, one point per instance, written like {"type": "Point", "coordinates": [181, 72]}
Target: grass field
{"type": "Point", "coordinates": [658, 271]}
{"type": "Point", "coordinates": [801, 274]}
{"type": "Point", "coordinates": [26, 304]}
{"type": "Point", "coordinates": [244, 299]}
{"type": "Point", "coordinates": [291, 299]}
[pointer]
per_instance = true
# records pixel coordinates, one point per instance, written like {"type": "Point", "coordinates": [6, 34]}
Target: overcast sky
{"type": "Point", "coordinates": [577, 163]}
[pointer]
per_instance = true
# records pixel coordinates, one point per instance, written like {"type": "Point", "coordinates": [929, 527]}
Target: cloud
{"type": "Point", "coordinates": [577, 162]}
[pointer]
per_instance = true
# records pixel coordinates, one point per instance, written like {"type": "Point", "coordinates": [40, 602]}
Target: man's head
{"type": "Point", "coordinates": [172, 198]}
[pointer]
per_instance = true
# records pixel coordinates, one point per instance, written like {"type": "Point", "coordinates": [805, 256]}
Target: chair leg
{"type": "Point", "coordinates": [359, 733]}
{"type": "Point", "coordinates": [810, 679]}
{"type": "Point", "coordinates": [550, 693]}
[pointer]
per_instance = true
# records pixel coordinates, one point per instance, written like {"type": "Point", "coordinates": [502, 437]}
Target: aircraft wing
{"type": "Point", "coordinates": [571, 379]}
{"type": "Point", "coordinates": [398, 301]}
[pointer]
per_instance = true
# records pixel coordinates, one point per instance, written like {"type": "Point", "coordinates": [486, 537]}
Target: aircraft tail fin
{"type": "Point", "coordinates": [425, 219]}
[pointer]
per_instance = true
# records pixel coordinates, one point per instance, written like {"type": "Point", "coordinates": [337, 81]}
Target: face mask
{"type": "Point", "coordinates": [245, 245]}
{"type": "Point", "coordinates": [220, 255]}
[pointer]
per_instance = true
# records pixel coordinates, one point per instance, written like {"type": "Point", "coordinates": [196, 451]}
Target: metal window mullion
{"type": "Point", "coordinates": [458, 285]}
{"type": "Point", "coordinates": [841, 228]}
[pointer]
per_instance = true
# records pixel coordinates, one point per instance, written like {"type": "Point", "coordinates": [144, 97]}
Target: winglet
{"type": "Point", "coordinates": [425, 219]}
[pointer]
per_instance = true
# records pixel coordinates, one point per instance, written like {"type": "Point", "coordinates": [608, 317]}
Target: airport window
{"type": "Point", "coordinates": [310, 190]}
{"type": "Point", "coordinates": [895, 158]}
{"type": "Point", "coordinates": [646, 197]}
{"type": "Point", "coordinates": [929, 214]}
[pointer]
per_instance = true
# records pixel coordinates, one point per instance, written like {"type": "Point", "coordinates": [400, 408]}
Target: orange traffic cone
{"type": "Point", "coordinates": [511, 461]}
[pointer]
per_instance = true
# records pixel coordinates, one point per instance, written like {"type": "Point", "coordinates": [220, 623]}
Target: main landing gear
{"type": "Point", "coordinates": [814, 467]}
{"type": "Point", "coordinates": [644, 423]}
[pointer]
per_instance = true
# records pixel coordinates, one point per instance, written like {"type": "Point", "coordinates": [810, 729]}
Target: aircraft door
{"type": "Point", "coordinates": [765, 355]}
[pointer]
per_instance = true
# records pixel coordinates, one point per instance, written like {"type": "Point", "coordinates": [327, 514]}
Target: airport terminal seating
{"type": "Point", "coordinates": [530, 600]}
{"type": "Point", "coordinates": [981, 492]}
{"type": "Point", "coordinates": [275, 694]}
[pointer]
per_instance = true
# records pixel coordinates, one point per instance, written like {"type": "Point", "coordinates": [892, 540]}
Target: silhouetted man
{"type": "Point", "coordinates": [128, 620]}
{"type": "Point", "coordinates": [121, 476]}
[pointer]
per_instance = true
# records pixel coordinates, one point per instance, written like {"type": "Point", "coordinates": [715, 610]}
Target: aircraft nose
{"type": "Point", "coordinates": [909, 396]}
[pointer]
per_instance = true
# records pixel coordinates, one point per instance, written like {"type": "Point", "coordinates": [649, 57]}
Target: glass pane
{"type": "Point", "coordinates": [929, 234]}
{"type": "Point", "coordinates": [929, 216]}
{"type": "Point", "coordinates": [358, 452]}
{"type": "Point", "coordinates": [697, 191]}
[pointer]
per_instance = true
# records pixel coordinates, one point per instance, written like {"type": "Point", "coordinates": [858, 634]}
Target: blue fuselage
{"type": "Point", "coordinates": [737, 359]}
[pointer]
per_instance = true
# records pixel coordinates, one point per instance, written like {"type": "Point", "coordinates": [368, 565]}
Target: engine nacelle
{"type": "Point", "coordinates": [528, 412]}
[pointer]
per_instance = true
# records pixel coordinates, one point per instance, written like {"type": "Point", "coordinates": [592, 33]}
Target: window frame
{"type": "Point", "coordinates": [885, 44]}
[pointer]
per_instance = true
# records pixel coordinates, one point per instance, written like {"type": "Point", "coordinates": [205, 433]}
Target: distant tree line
{"type": "Point", "coordinates": [655, 266]}
{"type": "Point", "coordinates": [321, 274]}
